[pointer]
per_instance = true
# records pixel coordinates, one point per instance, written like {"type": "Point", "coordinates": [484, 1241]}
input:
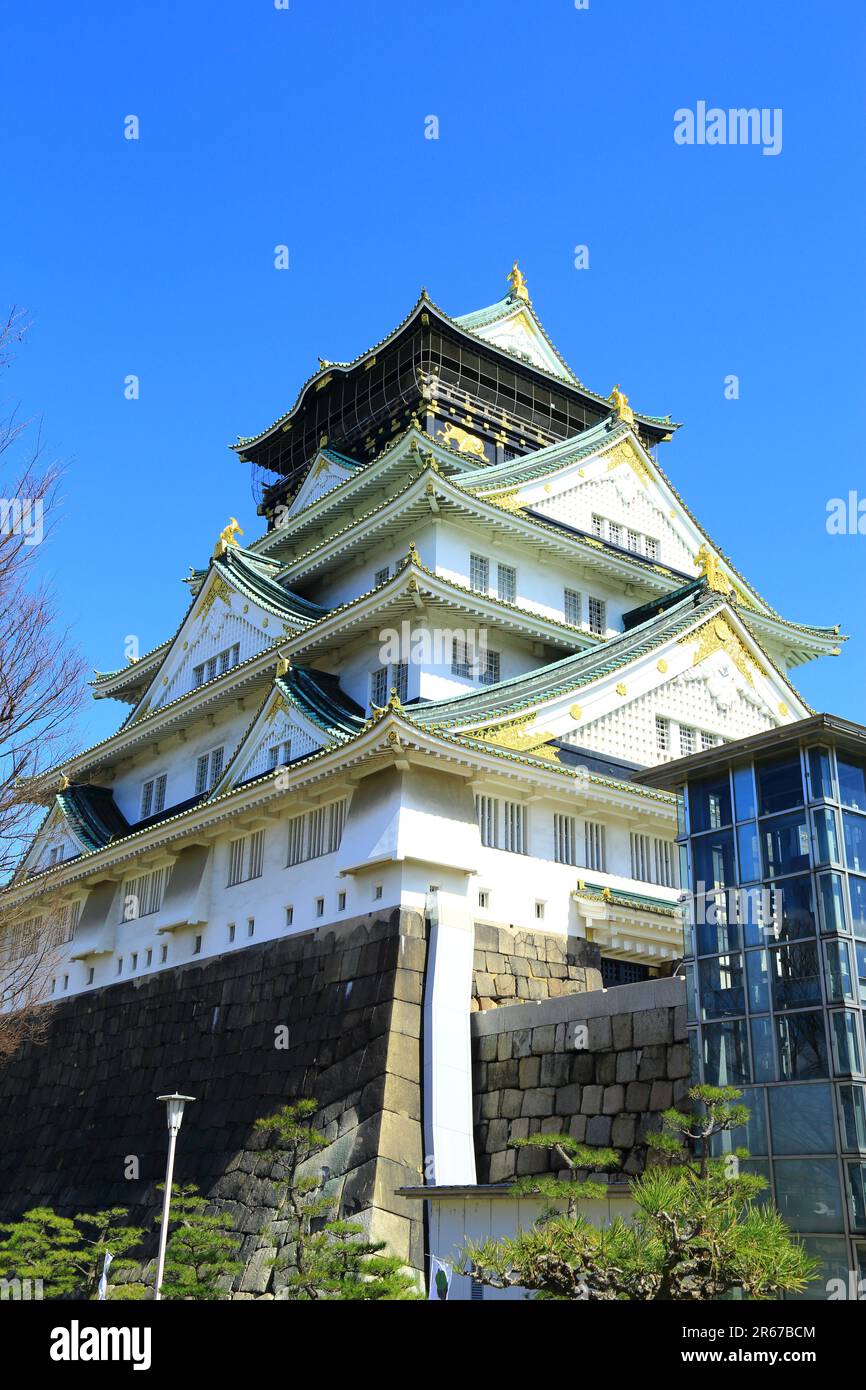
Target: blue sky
{"type": "Point", "coordinates": [305, 127]}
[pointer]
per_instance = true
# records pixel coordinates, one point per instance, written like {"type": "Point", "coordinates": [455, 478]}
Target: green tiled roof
{"type": "Point", "coordinates": [93, 815]}
{"type": "Point", "coordinates": [317, 694]}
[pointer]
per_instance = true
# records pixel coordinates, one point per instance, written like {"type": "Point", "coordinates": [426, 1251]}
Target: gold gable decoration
{"type": "Point", "coordinates": [621, 407]}
{"type": "Point", "coordinates": [518, 736]}
{"type": "Point", "coordinates": [517, 281]}
{"type": "Point", "coordinates": [718, 635]}
{"type": "Point", "coordinates": [227, 538]}
{"type": "Point", "coordinates": [453, 437]}
{"type": "Point", "coordinates": [218, 590]}
{"type": "Point", "coordinates": [625, 453]}
{"type": "Point", "coordinates": [709, 566]}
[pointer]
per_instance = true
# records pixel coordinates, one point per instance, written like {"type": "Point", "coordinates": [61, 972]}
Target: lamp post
{"type": "Point", "coordinates": [174, 1115]}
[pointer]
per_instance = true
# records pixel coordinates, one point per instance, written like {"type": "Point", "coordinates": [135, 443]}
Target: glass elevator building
{"type": "Point", "coordinates": [772, 837]}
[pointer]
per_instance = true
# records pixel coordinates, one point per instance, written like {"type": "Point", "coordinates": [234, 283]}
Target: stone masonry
{"type": "Point", "coordinates": [347, 1005]}
{"type": "Point", "coordinates": [514, 966]}
{"type": "Point", "coordinates": [599, 1066]}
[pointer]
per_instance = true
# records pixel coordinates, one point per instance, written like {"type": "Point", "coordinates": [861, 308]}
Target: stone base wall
{"type": "Point", "coordinates": [513, 966]}
{"type": "Point", "coordinates": [334, 1014]}
{"type": "Point", "coordinates": [630, 1063]}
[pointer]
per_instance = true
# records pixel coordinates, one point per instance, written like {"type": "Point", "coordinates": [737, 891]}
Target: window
{"type": "Point", "coordinates": [56, 855]}
{"type": "Point", "coordinates": [379, 687]}
{"type": "Point", "coordinates": [196, 950]}
{"type": "Point", "coordinates": [90, 974]}
{"type": "Point", "coordinates": [506, 583]}
{"type": "Point", "coordinates": [490, 668]}
{"type": "Point", "coordinates": [539, 912]}
{"type": "Point", "coordinates": [461, 660]}
{"type": "Point", "coordinates": [598, 526]}
{"type": "Point", "coordinates": [148, 960]}
{"type": "Point", "coordinates": [502, 823]}
{"type": "Point", "coordinates": [595, 846]}
{"type": "Point", "coordinates": [479, 574]}
{"type": "Point", "coordinates": [688, 740]}
{"type": "Point", "coordinates": [597, 616]}
{"type": "Point", "coordinates": [316, 833]}
{"type": "Point", "coordinates": [377, 893]}
{"type": "Point", "coordinates": [484, 897]}
{"type": "Point", "coordinates": [246, 857]}
{"type": "Point", "coordinates": [572, 607]}
{"type": "Point", "coordinates": [320, 907]}
{"type": "Point", "coordinates": [633, 541]}
{"type": "Point", "coordinates": [381, 576]}
{"type": "Point", "coordinates": [143, 896]}
{"type": "Point", "coordinates": [153, 796]}
{"type": "Point", "coordinates": [614, 533]}
{"type": "Point", "coordinates": [133, 964]}
{"type": "Point", "coordinates": [231, 931]}
{"type": "Point", "coordinates": [217, 665]}
{"type": "Point", "coordinates": [652, 548]}
{"type": "Point", "coordinates": [663, 735]}
{"type": "Point", "coordinates": [708, 740]}
{"type": "Point", "coordinates": [341, 902]}
{"type": "Point", "coordinates": [251, 926]}
{"type": "Point", "coordinates": [564, 839]}
{"type": "Point", "coordinates": [66, 923]}
{"type": "Point", "coordinates": [163, 954]}
{"type": "Point", "coordinates": [400, 679]}
{"type": "Point", "coordinates": [280, 754]}
{"type": "Point", "coordinates": [290, 916]}
{"type": "Point", "coordinates": [207, 770]}
{"type": "Point", "coordinates": [653, 860]}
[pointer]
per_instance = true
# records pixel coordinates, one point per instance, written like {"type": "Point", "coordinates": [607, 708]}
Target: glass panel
{"type": "Point", "coordinates": [801, 1119]}
{"type": "Point", "coordinates": [752, 1135]}
{"type": "Point", "coordinates": [749, 852]}
{"type": "Point", "coordinates": [846, 1043]}
{"type": "Point", "coordinates": [695, 1055]}
{"type": "Point", "coordinates": [794, 914]}
{"type": "Point", "coordinates": [857, 895]}
{"type": "Point", "coordinates": [857, 1195]}
{"type": "Point", "coordinates": [852, 781]}
{"type": "Point", "coordinates": [713, 861]}
{"type": "Point", "coordinates": [780, 785]}
{"type": "Point", "coordinates": [837, 972]}
{"type": "Point", "coordinates": [691, 1008]}
{"type": "Point", "coordinates": [820, 772]}
{"type": "Point", "coordinates": [760, 912]}
{"type": "Point", "coordinates": [744, 793]}
{"type": "Point", "coordinates": [795, 977]}
{"type": "Point", "coordinates": [832, 1280]}
{"type": "Point", "coordinates": [710, 803]}
{"type": "Point", "coordinates": [726, 1058]}
{"type": "Point", "coordinates": [757, 971]}
{"type": "Point", "coordinates": [855, 841]}
{"type": "Point", "coordinates": [831, 902]}
{"type": "Point", "coordinates": [715, 933]}
{"type": "Point", "coordinates": [802, 1046]}
{"type": "Point", "coordinates": [763, 1056]}
{"type": "Point", "coordinates": [722, 991]}
{"type": "Point", "coordinates": [853, 1105]}
{"type": "Point", "coordinates": [683, 852]}
{"type": "Point", "coordinates": [786, 845]}
{"type": "Point", "coordinates": [807, 1193]}
{"type": "Point", "coordinates": [826, 836]}
{"type": "Point", "coordinates": [860, 952]}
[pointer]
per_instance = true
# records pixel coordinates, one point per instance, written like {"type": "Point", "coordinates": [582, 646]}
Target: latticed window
{"type": "Point", "coordinates": [595, 846]}
{"type": "Point", "coordinates": [652, 547]}
{"type": "Point", "coordinates": [487, 814]}
{"type": "Point", "coordinates": [246, 858]}
{"type": "Point", "coordinates": [217, 665]}
{"type": "Point", "coordinates": [208, 769]}
{"type": "Point", "coordinates": [143, 896]}
{"type": "Point", "coordinates": [597, 616]}
{"type": "Point", "coordinates": [491, 664]}
{"type": "Point", "coordinates": [633, 541]}
{"type": "Point", "coordinates": [381, 576]}
{"type": "Point", "coordinates": [564, 839]}
{"type": "Point", "coordinates": [514, 827]}
{"type": "Point", "coordinates": [708, 740]}
{"type": "Point", "coordinates": [614, 533]}
{"type": "Point", "coordinates": [653, 860]}
{"type": "Point", "coordinates": [279, 754]}
{"type": "Point", "coordinates": [506, 583]}
{"type": "Point", "coordinates": [400, 679]}
{"type": "Point", "coordinates": [598, 526]}
{"type": "Point", "coordinates": [663, 735]}
{"type": "Point", "coordinates": [572, 606]}
{"type": "Point", "coordinates": [379, 687]}
{"type": "Point", "coordinates": [688, 740]}
{"type": "Point", "coordinates": [316, 833]}
{"type": "Point", "coordinates": [462, 658]}
{"type": "Point", "coordinates": [479, 573]}
{"type": "Point", "coordinates": [65, 924]}
{"type": "Point", "coordinates": [502, 823]}
{"type": "Point", "coordinates": [153, 796]}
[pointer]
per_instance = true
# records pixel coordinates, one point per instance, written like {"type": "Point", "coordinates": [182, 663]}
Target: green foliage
{"type": "Point", "coordinates": [333, 1259]}
{"type": "Point", "coordinates": [697, 1232]}
{"type": "Point", "coordinates": [200, 1249]}
{"type": "Point", "coordinates": [66, 1254]}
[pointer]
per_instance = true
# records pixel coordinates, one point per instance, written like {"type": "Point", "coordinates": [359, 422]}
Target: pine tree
{"type": "Point", "coordinates": [69, 1260]}
{"type": "Point", "coordinates": [698, 1232]}
{"type": "Point", "coordinates": [333, 1259]}
{"type": "Point", "coordinates": [200, 1249]}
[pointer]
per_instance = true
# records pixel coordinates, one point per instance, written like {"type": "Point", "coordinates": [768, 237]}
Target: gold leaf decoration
{"type": "Point", "coordinates": [519, 737]}
{"type": "Point", "coordinates": [718, 635]}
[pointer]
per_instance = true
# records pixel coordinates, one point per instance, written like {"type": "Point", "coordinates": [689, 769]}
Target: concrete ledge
{"type": "Point", "coordinates": [602, 1003]}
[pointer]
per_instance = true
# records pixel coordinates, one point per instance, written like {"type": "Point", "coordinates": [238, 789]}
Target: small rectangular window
{"type": "Point", "coordinates": [320, 907]}
{"type": "Point", "coordinates": [290, 916]}
{"type": "Point", "coordinates": [614, 533]}
{"type": "Point", "coordinates": [134, 962]}
{"type": "Point", "coordinates": [341, 902]}
{"type": "Point", "coordinates": [483, 897]}
{"type": "Point", "coordinates": [90, 975]}
{"type": "Point", "coordinates": [377, 892]}
{"type": "Point", "coordinates": [379, 687]}
{"type": "Point", "coordinates": [490, 668]}
{"type": "Point", "coordinates": [663, 735]}
{"type": "Point", "coordinates": [539, 912]}
{"type": "Point", "coordinates": [149, 957]}
{"type": "Point", "coordinates": [564, 839]}
{"type": "Point", "coordinates": [506, 583]}
{"type": "Point", "coordinates": [231, 931]}
{"type": "Point", "coordinates": [633, 541]}
{"type": "Point", "coordinates": [595, 846]}
{"type": "Point", "coordinates": [688, 740]}
{"type": "Point", "coordinates": [597, 616]}
{"type": "Point", "coordinates": [400, 680]}
{"type": "Point", "coordinates": [381, 576]}
{"type": "Point", "coordinates": [196, 950]}
{"type": "Point", "coordinates": [652, 548]}
{"type": "Point", "coordinates": [479, 573]}
{"type": "Point", "coordinates": [598, 526]}
{"type": "Point", "coordinates": [251, 926]}
{"type": "Point", "coordinates": [572, 606]}
{"type": "Point", "coordinates": [163, 954]}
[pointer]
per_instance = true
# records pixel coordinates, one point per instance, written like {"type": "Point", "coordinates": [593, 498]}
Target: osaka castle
{"type": "Point", "coordinates": [476, 609]}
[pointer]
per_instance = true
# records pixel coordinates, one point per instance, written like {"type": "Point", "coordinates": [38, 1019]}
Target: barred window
{"type": "Point", "coordinates": [653, 860]}
{"type": "Point", "coordinates": [506, 583]}
{"type": "Point", "coordinates": [143, 896]}
{"type": "Point", "coordinates": [598, 526]}
{"type": "Point", "coordinates": [708, 740]}
{"type": "Point", "coordinates": [217, 665]}
{"type": "Point", "coordinates": [66, 923]}
{"type": "Point", "coordinates": [688, 740]}
{"type": "Point", "coordinates": [379, 687]}
{"type": "Point", "coordinates": [479, 573]}
{"type": "Point", "coordinates": [208, 769]}
{"type": "Point", "coordinates": [614, 533]}
{"type": "Point", "coordinates": [595, 845]}
{"type": "Point", "coordinates": [514, 827]}
{"type": "Point", "coordinates": [400, 679]}
{"type": "Point", "coordinates": [381, 576]}
{"type": "Point", "coordinates": [246, 858]}
{"type": "Point", "coordinates": [502, 823]}
{"type": "Point", "coordinates": [633, 541]}
{"type": "Point", "coordinates": [572, 606]}
{"type": "Point", "coordinates": [652, 547]}
{"type": "Point", "coordinates": [279, 754]}
{"type": "Point", "coordinates": [491, 664]}
{"type": "Point", "coordinates": [153, 796]}
{"type": "Point", "coordinates": [598, 616]}
{"type": "Point", "coordinates": [316, 832]}
{"type": "Point", "coordinates": [564, 839]}
{"type": "Point", "coordinates": [486, 811]}
{"type": "Point", "coordinates": [663, 735]}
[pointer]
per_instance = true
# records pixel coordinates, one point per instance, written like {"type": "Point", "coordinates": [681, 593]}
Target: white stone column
{"type": "Point", "coordinates": [449, 1148]}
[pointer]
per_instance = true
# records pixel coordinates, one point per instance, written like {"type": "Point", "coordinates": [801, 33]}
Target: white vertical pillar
{"type": "Point", "coordinates": [448, 1133]}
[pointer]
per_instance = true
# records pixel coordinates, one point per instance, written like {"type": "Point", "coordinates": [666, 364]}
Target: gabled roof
{"type": "Point", "coordinates": [93, 816]}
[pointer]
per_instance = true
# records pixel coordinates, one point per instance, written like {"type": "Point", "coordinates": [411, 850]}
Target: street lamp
{"type": "Point", "coordinates": [174, 1115]}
